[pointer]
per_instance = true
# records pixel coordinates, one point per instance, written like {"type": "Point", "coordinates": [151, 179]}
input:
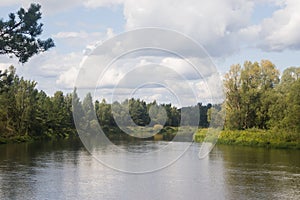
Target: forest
{"type": "Point", "coordinates": [26, 113]}
{"type": "Point", "coordinates": [257, 97]}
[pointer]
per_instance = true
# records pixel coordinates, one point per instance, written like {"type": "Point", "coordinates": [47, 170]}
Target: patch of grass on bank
{"type": "Point", "coordinates": [27, 138]}
{"type": "Point", "coordinates": [16, 139]}
{"type": "Point", "coordinates": [254, 137]}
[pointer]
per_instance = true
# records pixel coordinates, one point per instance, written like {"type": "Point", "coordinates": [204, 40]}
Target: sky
{"type": "Point", "coordinates": [230, 32]}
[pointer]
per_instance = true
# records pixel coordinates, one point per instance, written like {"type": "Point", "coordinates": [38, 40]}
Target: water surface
{"type": "Point", "coordinates": [65, 170]}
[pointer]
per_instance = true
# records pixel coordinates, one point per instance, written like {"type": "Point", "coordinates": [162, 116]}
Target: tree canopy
{"type": "Point", "coordinates": [19, 34]}
{"type": "Point", "coordinates": [257, 98]}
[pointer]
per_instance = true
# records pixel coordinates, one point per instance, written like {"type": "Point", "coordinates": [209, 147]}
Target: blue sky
{"type": "Point", "coordinates": [231, 31]}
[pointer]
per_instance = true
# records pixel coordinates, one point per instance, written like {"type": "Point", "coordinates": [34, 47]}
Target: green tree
{"type": "Point", "coordinates": [292, 116]}
{"type": "Point", "coordinates": [290, 75]}
{"type": "Point", "coordinates": [104, 114]}
{"type": "Point", "coordinates": [285, 111]}
{"type": "Point", "coordinates": [89, 112]}
{"type": "Point", "coordinates": [233, 103]}
{"type": "Point", "coordinates": [138, 112]}
{"type": "Point", "coordinates": [6, 101]}
{"type": "Point", "coordinates": [25, 106]}
{"type": "Point", "coordinates": [248, 92]}
{"type": "Point", "coordinates": [18, 35]}
{"type": "Point", "coordinates": [18, 104]}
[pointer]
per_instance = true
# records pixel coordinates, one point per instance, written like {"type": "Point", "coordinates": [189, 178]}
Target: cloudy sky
{"type": "Point", "coordinates": [231, 31]}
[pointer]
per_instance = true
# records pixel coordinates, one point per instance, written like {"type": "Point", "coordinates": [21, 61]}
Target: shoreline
{"type": "Point", "coordinates": [254, 138]}
{"type": "Point", "coordinates": [250, 137]}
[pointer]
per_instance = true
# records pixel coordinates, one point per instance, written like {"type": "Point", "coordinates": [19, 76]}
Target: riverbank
{"type": "Point", "coordinates": [27, 138]}
{"type": "Point", "coordinates": [255, 138]}
{"type": "Point", "coordinates": [250, 137]}
{"type": "Point", "coordinates": [15, 139]}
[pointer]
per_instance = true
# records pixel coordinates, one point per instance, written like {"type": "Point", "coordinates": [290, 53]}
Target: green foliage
{"type": "Point", "coordinates": [268, 110]}
{"type": "Point", "coordinates": [249, 90]}
{"type": "Point", "coordinates": [284, 105]}
{"type": "Point", "coordinates": [18, 35]}
{"type": "Point", "coordinates": [260, 111]}
{"type": "Point", "coordinates": [27, 113]}
{"type": "Point", "coordinates": [255, 137]}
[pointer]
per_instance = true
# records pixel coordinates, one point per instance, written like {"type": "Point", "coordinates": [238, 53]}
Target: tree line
{"type": "Point", "coordinates": [27, 112]}
{"type": "Point", "coordinates": [256, 97]}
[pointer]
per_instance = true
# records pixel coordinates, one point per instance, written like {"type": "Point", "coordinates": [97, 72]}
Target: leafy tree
{"type": "Point", "coordinates": [18, 35]}
{"type": "Point", "coordinates": [138, 112]}
{"type": "Point", "coordinates": [290, 75]}
{"type": "Point", "coordinates": [233, 104]}
{"type": "Point", "coordinates": [284, 111]}
{"type": "Point", "coordinates": [42, 122]}
{"type": "Point", "coordinates": [6, 98]}
{"type": "Point", "coordinates": [25, 103]}
{"type": "Point", "coordinates": [88, 108]}
{"type": "Point", "coordinates": [248, 92]}
{"type": "Point", "coordinates": [104, 114]}
{"type": "Point", "coordinates": [292, 116]}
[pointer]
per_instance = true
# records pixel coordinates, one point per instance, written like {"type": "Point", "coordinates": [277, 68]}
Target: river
{"type": "Point", "coordinates": [65, 170]}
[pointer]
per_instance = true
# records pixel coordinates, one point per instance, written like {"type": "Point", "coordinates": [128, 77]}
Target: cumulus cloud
{"type": "Point", "coordinates": [281, 31]}
{"type": "Point", "coordinates": [278, 32]}
{"type": "Point", "coordinates": [214, 24]}
{"type": "Point", "coordinates": [78, 40]}
{"type": "Point", "coordinates": [69, 71]}
{"type": "Point", "coordinates": [67, 78]}
{"type": "Point", "coordinates": [221, 26]}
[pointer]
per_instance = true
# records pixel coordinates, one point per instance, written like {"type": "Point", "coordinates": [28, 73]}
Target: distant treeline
{"type": "Point", "coordinates": [27, 113]}
{"type": "Point", "coordinates": [164, 114]}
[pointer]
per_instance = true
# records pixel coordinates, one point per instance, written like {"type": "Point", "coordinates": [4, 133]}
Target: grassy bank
{"type": "Point", "coordinates": [27, 138]}
{"type": "Point", "coordinates": [16, 139]}
{"type": "Point", "coordinates": [250, 137]}
{"type": "Point", "coordinates": [254, 137]}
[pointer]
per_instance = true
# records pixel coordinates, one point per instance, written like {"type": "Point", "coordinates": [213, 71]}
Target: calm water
{"type": "Point", "coordinates": [65, 170]}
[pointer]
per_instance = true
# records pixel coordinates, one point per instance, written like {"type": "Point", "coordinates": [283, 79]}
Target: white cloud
{"type": "Point", "coordinates": [282, 30]}
{"type": "Point", "coordinates": [67, 78]}
{"type": "Point", "coordinates": [6, 63]}
{"type": "Point", "coordinates": [278, 32]}
{"type": "Point", "coordinates": [78, 41]}
{"type": "Point", "coordinates": [222, 26]}
{"type": "Point", "coordinates": [214, 23]}
{"type": "Point", "coordinates": [52, 63]}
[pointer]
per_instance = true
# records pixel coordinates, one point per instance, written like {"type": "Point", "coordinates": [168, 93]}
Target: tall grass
{"type": "Point", "coordinates": [255, 137]}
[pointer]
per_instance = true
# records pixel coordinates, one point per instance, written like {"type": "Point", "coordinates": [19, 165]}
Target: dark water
{"type": "Point", "coordinates": [65, 170]}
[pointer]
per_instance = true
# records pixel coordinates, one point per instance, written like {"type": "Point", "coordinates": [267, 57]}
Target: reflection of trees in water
{"type": "Point", "coordinates": [252, 173]}
{"type": "Point", "coordinates": [20, 164]}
